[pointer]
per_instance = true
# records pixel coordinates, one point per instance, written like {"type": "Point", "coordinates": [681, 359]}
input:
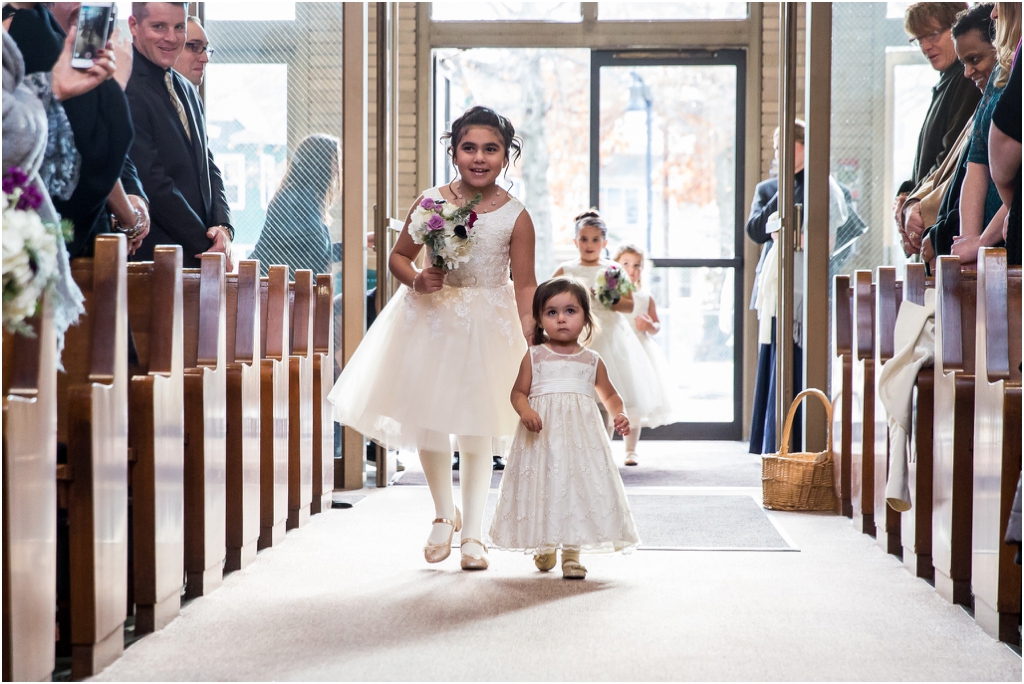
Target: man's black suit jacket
{"type": "Point", "coordinates": [184, 185]}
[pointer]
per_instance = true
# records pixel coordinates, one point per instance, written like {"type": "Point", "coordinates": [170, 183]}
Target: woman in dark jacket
{"type": "Point", "coordinates": [295, 233]}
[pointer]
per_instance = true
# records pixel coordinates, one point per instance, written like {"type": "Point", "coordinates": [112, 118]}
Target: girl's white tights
{"type": "Point", "coordinates": [475, 464]}
{"type": "Point", "coordinates": [632, 438]}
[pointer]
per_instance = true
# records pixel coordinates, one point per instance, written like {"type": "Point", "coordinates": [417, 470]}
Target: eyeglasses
{"type": "Point", "coordinates": [199, 48]}
{"type": "Point", "coordinates": [930, 38]}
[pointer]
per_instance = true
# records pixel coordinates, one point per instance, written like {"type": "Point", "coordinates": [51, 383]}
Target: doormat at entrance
{"type": "Point", "coordinates": [698, 522]}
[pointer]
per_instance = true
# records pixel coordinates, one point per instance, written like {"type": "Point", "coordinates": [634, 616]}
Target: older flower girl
{"type": "Point", "coordinates": [441, 356]}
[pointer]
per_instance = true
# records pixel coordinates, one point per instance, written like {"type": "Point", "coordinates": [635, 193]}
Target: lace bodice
{"type": "Point", "coordinates": [555, 373]}
{"type": "Point", "coordinates": [488, 264]}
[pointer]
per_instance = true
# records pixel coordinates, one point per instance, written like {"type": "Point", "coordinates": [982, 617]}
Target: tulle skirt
{"type": "Point", "coordinates": [628, 366]}
{"type": "Point", "coordinates": [666, 410]}
{"type": "Point", "coordinates": [435, 365]}
{"type": "Point", "coordinates": [561, 487]}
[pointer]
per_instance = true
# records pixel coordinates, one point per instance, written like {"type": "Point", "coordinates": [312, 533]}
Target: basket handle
{"type": "Point", "coordinates": [784, 449]}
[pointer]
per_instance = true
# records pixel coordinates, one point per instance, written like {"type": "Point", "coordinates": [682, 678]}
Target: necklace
{"type": "Point", "coordinates": [458, 194]}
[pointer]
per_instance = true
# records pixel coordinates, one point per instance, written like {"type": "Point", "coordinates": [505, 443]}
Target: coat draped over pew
{"type": "Point", "coordinates": [888, 297]}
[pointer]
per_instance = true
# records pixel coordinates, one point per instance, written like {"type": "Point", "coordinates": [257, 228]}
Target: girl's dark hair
{"type": "Point", "coordinates": [591, 217]}
{"type": "Point", "coordinates": [483, 116]}
{"type": "Point", "coordinates": [978, 18]}
{"type": "Point", "coordinates": [316, 167]}
{"type": "Point", "coordinates": [556, 286]}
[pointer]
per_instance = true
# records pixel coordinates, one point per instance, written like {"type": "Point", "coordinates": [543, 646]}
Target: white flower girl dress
{"type": "Point", "coordinates": [561, 487]}
{"type": "Point", "coordinates": [664, 389]}
{"type": "Point", "coordinates": [440, 364]}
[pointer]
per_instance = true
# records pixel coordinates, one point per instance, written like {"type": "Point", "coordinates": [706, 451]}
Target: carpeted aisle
{"type": "Point", "coordinates": [349, 597]}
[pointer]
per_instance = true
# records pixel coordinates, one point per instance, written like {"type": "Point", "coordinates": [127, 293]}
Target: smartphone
{"type": "Point", "coordinates": [95, 20]}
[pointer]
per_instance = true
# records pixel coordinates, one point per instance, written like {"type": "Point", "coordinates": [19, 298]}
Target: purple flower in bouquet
{"type": "Point", "coordinates": [30, 198]}
{"type": "Point", "coordinates": [14, 178]}
{"type": "Point", "coordinates": [428, 204]}
{"type": "Point", "coordinates": [471, 220]}
{"type": "Point", "coordinates": [435, 222]}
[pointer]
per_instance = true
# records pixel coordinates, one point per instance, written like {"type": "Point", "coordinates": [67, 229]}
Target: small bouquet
{"type": "Point", "coordinates": [29, 251]}
{"type": "Point", "coordinates": [612, 285]}
{"type": "Point", "coordinates": [446, 230]}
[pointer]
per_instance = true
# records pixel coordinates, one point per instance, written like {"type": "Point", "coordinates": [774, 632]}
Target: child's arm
{"type": "Point", "coordinates": [520, 396]}
{"type": "Point", "coordinates": [560, 271]}
{"type": "Point", "coordinates": [625, 304]}
{"type": "Point", "coordinates": [400, 261]}
{"type": "Point", "coordinates": [611, 399]}
{"type": "Point", "coordinates": [649, 322]}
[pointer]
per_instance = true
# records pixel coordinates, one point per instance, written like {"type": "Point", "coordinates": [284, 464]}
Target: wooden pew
{"type": "Point", "coordinates": [888, 297]}
{"type": "Point", "coordinates": [242, 513]}
{"type": "Point", "coordinates": [995, 578]}
{"type": "Point", "coordinates": [156, 437]}
{"type": "Point", "coordinates": [205, 429]}
{"type": "Point", "coordinates": [92, 419]}
{"type": "Point", "coordinates": [842, 386]}
{"type": "Point", "coordinates": [916, 524]}
{"type": "Point", "coordinates": [273, 406]}
{"type": "Point", "coordinates": [29, 500]}
{"type": "Point", "coordinates": [953, 444]}
{"type": "Point", "coordinates": [300, 399]}
{"type": "Point", "coordinates": [323, 382]}
{"type": "Point", "coordinates": [862, 425]}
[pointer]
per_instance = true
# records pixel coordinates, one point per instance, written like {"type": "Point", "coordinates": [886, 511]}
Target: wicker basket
{"type": "Point", "coordinates": [801, 481]}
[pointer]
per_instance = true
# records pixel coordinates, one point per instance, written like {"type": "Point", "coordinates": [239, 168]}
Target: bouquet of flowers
{"type": "Point", "coordinates": [29, 250]}
{"type": "Point", "coordinates": [446, 230]}
{"type": "Point", "coordinates": [612, 285]}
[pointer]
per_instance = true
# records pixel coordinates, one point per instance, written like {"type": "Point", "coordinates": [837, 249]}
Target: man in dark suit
{"type": "Point", "coordinates": [186, 193]}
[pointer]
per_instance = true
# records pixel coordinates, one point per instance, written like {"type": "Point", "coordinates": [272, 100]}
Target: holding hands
{"type": "Point", "coordinates": [645, 323]}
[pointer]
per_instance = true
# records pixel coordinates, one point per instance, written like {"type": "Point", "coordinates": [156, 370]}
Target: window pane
{"type": "Point", "coordinates": [912, 95]}
{"type": "Point", "coordinates": [506, 11]}
{"type": "Point", "coordinates": [248, 126]}
{"type": "Point", "coordinates": [695, 306]}
{"type": "Point", "coordinates": [668, 158]}
{"type": "Point", "coordinates": [546, 95]}
{"type": "Point", "coordinates": [250, 11]}
{"type": "Point", "coordinates": [671, 11]}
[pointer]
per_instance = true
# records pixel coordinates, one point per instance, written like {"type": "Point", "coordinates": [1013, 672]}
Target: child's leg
{"type": "Point", "coordinates": [571, 566]}
{"type": "Point", "coordinates": [631, 441]}
{"type": "Point", "coordinates": [475, 477]}
{"type": "Point", "coordinates": [437, 468]}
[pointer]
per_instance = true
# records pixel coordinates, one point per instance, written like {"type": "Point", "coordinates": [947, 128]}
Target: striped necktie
{"type": "Point", "coordinates": [169, 82]}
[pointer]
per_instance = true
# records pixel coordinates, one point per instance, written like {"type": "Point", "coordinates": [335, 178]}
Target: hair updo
{"type": "Point", "coordinates": [484, 116]}
{"type": "Point", "coordinates": [591, 217]}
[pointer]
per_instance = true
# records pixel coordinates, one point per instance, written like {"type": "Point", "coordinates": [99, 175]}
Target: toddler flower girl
{"type": "Point", "coordinates": [561, 488]}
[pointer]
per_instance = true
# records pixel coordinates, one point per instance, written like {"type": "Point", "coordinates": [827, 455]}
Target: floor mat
{"type": "Point", "coordinates": [703, 522]}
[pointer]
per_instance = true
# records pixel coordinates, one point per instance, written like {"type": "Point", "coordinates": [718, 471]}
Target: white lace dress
{"type": "Point", "coordinates": [561, 487]}
{"type": "Point", "coordinates": [440, 364]}
{"type": "Point", "coordinates": [623, 356]}
{"type": "Point", "coordinates": [665, 387]}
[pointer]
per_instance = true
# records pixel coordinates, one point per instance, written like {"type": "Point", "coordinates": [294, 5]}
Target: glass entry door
{"type": "Point", "coordinates": [666, 144]}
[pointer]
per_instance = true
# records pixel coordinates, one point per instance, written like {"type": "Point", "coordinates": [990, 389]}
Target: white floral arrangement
{"type": "Point", "coordinates": [446, 230]}
{"type": "Point", "coordinates": [612, 285]}
{"type": "Point", "coordinates": [29, 251]}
